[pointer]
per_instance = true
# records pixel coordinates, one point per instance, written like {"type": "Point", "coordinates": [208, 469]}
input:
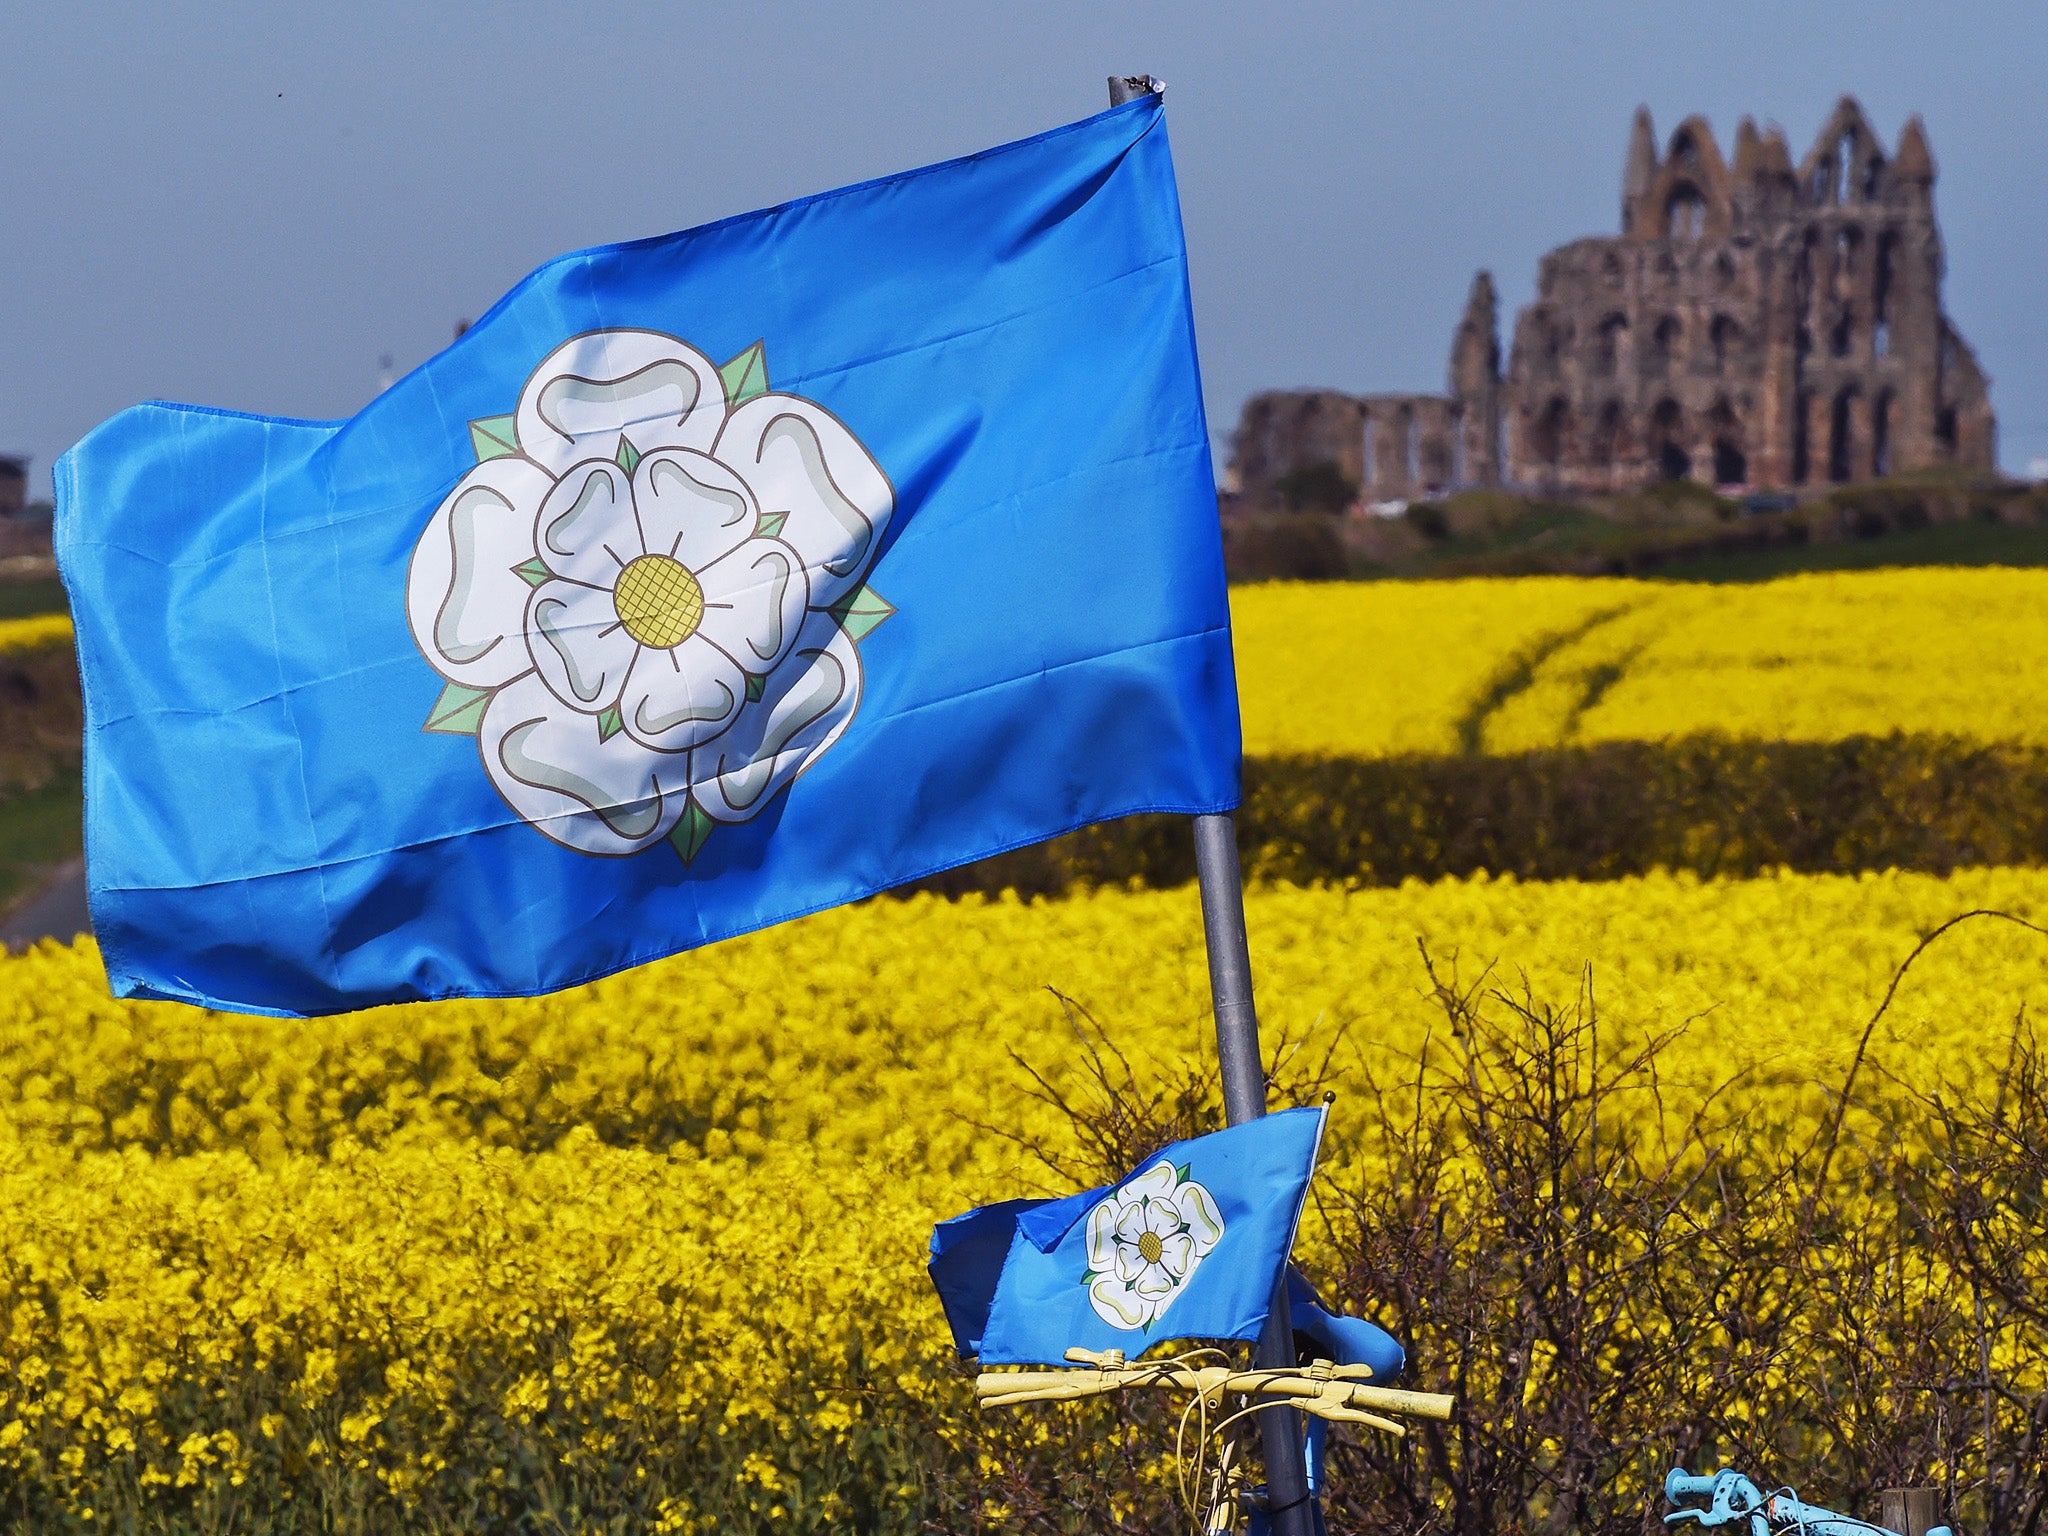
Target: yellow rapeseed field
{"type": "Point", "coordinates": [657, 1243]}
{"type": "Point", "coordinates": [670, 1226]}
{"type": "Point", "coordinates": [1376, 669]}
{"type": "Point", "coordinates": [35, 630]}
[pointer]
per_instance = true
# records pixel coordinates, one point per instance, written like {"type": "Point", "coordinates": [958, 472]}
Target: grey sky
{"type": "Point", "coordinates": [246, 204]}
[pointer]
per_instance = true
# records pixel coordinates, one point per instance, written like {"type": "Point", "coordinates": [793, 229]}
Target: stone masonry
{"type": "Point", "coordinates": [1753, 327]}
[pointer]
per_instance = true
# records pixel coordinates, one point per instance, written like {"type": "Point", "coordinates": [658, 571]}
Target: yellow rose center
{"type": "Point", "coordinates": [1150, 1249]}
{"type": "Point", "coordinates": [659, 601]}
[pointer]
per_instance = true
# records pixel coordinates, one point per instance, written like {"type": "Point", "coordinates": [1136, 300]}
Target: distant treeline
{"type": "Point", "coordinates": [1679, 530]}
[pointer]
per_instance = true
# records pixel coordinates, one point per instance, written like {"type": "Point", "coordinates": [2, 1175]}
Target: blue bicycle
{"type": "Point", "coordinates": [1732, 1497]}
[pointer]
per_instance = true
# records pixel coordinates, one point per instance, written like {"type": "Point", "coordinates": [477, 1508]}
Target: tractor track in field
{"type": "Point", "coordinates": [1518, 672]}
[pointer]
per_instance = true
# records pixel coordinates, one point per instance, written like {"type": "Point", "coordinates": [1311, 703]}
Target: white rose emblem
{"type": "Point", "coordinates": [1145, 1242]}
{"type": "Point", "coordinates": [645, 598]}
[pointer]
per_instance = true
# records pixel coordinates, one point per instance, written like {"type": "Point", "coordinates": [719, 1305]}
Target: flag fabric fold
{"type": "Point", "coordinates": [707, 581]}
{"type": "Point", "coordinates": [1190, 1245]}
{"type": "Point", "coordinates": [1321, 1334]}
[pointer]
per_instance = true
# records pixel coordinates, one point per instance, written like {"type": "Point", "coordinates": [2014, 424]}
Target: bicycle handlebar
{"type": "Point", "coordinates": [1678, 1484]}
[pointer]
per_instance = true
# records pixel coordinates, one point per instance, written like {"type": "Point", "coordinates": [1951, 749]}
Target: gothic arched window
{"type": "Point", "coordinates": [1557, 345]}
{"type": "Point", "coordinates": [1608, 443]}
{"type": "Point", "coordinates": [1881, 292]}
{"type": "Point", "coordinates": [1607, 345]}
{"type": "Point", "coordinates": [1685, 215]}
{"type": "Point", "coordinates": [1547, 434]}
{"type": "Point", "coordinates": [1802, 436]}
{"type": "Point", "coordinates": [1664, 341]}
{"type": "Point", "coordinates": [1725, 336]}
{"type": "Point", "coordinates": [1731, 463]}
{"type": "Point", "coordinates": [1842, 271]}
{"type": "Point", "coordinates": [1827, 177]}
{"type": "Point", "coordinates": [1841, 426]}
{"type": "Point", "coordinates": [1667, 434]}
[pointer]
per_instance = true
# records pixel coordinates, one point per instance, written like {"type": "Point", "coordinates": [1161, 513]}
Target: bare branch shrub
{"type": "Point", "coordinates": [1616, 1274]}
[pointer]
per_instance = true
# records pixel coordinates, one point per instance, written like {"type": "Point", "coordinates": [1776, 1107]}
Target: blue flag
{"type": "Point", "coordinates": [1189, 1246]}
{"type": "Point", "coordinates": [1324, 1335]}
{"type": "Point", "coordinates": [1321, 1334]}
{"type": "Point", "coordinates": [707, 581]}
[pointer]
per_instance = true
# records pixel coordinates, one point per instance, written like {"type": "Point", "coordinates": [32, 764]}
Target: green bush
{"type": "Point", "coordinates": [42, 718]}
{"type": "Point", "coordinates": [1284, 546]}
{"type": "Point", "coordinates": [1321, 487]}
{"type": "Point", "coordinates": [1430, 519]}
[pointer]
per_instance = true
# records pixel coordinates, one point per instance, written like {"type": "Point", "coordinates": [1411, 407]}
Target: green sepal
{"type": "Point", "coordinates": [746, 375]}
{"type": "Point", "coordinates": [494, 437]}
{"type": "Point", "coordinates": [1089, 1277]}
{"type": "Point", "coordinates": [691, 832]}
{"type": "Point", "coordinates": [1186, 1172]}
{"type": "Point", "coordinates": [769, 524]}
{"type": "Point", "coordinates": [628, 456]}
{"type": "Point", "coordinates": [533, 572]}
{"type": "Point", "coordinates": [861, 611]}
{"type": "Point", "coordinates": [459, 711]}
{"type": "Point", "coordinates": [756, 686]}
{"type": "Point", "coordinates": [609, 723]}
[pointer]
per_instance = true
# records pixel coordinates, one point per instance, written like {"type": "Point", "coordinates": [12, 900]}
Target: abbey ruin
{"type": "Point", "coordinates": [1753, 327]}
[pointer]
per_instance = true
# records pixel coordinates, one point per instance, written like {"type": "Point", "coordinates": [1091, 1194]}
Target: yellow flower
{"type": "Point", "coordinates": [37, 630]}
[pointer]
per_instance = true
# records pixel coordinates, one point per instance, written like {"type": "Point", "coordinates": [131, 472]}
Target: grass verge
{"type": "Point", "coordinates": [40, 829]}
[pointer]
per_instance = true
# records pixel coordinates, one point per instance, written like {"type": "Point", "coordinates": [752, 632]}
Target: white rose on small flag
{"type": "Point", "coordinates": [1145, 1242]}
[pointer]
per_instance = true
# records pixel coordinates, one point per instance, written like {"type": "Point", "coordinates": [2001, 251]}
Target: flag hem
{"type": "Point", "coordinates": [127, 985]}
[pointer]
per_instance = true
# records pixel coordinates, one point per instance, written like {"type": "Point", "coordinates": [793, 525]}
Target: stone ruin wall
{"type": "Point", "coordinates": [1753, 327]}
{"type": "Point", "coordinates": [1393, 447]}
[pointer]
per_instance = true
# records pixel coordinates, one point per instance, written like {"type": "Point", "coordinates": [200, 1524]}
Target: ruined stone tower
{"type": "Point", "coordinates": [1752, 326]}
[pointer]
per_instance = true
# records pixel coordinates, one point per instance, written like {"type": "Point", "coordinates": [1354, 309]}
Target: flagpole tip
{"type": "Point", "coordinates": [1123, 88]}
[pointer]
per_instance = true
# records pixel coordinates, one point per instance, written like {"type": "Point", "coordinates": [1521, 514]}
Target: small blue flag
{"type": "Point", "coordinates": [1189, 1246]}
{"type": "Point", "coordinates": [707, 581]}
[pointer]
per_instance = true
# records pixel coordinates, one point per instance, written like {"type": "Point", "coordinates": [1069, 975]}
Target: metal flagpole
{"type": "Point", "coordinates": [1244, 1082]}
{"type": "Point", "coordinates": [1244, 1098]}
